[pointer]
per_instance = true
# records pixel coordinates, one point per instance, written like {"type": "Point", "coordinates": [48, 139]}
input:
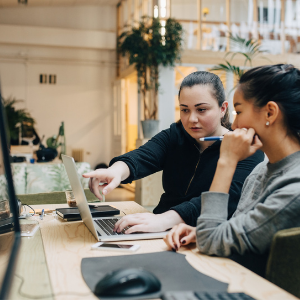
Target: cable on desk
{"type": "Point", "coordinates": [47, 296]}
{"type": "Point", "coordinates": [122, 212]}
{"type": "Point", "coordinates": [29, 207]}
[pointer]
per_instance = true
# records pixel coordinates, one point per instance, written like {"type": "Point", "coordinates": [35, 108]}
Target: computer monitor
{"type": "Point", "coordinates": [10, 235]}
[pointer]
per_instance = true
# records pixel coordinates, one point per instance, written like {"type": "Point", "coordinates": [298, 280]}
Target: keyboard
{"type": "Point", "coordinates": [190, 295]}
{"type": "Point", "coordinates": [107, 225]}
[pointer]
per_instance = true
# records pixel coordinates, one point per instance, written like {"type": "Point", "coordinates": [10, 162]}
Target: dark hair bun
{"type": "Point", "coordinates": [279, 83]}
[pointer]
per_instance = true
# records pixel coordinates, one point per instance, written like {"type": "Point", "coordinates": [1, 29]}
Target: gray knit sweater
{"type": "Point", "coordinates": [270, 201]}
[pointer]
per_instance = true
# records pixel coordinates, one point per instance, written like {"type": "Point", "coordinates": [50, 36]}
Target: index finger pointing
{"type": "Point", "coordinates": [89, 174]}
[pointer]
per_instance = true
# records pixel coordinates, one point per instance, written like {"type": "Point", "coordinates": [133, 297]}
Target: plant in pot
{"type": "Point", "coordinates": [149, 46]}
{"type": "Point", "coordinates": [15, 119]}
{"type": "Point", "coordinates": [247, 48]}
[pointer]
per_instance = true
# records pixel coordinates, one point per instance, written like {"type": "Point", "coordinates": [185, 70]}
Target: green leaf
{"type": "Point", "coordinates": [250, 49]}
{"type": "Point", "coordinates": [15, 116]}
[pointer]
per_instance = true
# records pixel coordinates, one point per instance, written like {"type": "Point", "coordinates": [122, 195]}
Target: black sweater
{"type": "Point", "coordinates": [186, 172]}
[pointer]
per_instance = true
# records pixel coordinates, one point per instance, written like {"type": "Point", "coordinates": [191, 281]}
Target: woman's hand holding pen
{"type": "Point", "coordinates": [239, 144]}
{"type": "Point", "coordinates": [236, 145]}
{"type": "Point", "coordinates": [181, 234]}
{"type": "Point", "coordinates": [110, 178]}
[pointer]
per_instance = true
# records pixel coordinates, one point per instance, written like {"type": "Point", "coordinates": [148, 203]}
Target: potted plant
{"type": "Point", "coordinates": [247, 48]}
{"type": "Point", "coordinates": [149, 46]}
{"type": "Point", "coordinates": [15, 119]}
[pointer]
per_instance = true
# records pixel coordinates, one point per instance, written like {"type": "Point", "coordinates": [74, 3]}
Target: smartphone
{"type": "Point", "coordinates": [115, 247]}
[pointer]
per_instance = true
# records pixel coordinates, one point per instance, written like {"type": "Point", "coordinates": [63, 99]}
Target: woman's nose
{"type": "Point", "coordinates": [193, 118]}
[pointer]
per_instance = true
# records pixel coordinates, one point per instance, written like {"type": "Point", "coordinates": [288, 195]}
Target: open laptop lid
{"type": "Point", "coordinates": [79, 194]}
{"type": "Point", "coordinates": [9, 241]}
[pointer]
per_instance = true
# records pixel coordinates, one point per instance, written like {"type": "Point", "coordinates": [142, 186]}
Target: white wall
{"type": "Point", "coordinates": [82, 96]}
{"type": "Point", "coordinates": [57, 37]}
{"type": "Point", "coordinates": [72, 17]}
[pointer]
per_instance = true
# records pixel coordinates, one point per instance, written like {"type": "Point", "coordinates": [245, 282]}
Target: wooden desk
{"type": "Point", "coordinates": [66, 243]}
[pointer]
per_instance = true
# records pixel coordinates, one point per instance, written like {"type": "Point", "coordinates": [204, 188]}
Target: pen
{"type": "Point", "coordinates": [212, 138]}
{"type": "Point", "coordinates": [42, 214]}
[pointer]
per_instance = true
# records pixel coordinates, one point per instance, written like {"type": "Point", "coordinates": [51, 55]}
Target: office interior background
{"type": "Point", "coordinates": [60, 58]}
{"type": "Point", "coordinates": [95, 90]}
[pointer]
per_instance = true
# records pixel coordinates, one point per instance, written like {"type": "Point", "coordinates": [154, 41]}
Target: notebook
{"type": "Point", "coordinates": [101, 228]}
{"type": "Point", "coordinates": [72, 214]}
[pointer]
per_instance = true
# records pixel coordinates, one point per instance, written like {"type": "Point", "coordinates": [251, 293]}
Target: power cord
{"type": "Point", "coordinates": [29, 207]}
{"type": "Point", "coordinates": [47, 296]}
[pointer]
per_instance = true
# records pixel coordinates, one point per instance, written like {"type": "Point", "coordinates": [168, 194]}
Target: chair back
{"type": "Point", "coordinates": [283, 267]}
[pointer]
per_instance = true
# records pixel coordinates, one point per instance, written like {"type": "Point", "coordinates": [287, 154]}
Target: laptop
{"type": "Point", "coordinates": [101, 228]}
{"type": "Point", "coordinates": [10, 235]}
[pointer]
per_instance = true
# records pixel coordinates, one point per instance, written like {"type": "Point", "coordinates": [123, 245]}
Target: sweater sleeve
{"type": "Point", "coordinates": [248, 232]}
{"type": "Point", "coordinates": [148, 158]}
{"type": "Point", "coordinates": [189, 211]}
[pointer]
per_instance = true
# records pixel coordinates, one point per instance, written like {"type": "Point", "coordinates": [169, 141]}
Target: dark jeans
{"type": "Point", "coordinates": [257, 263]}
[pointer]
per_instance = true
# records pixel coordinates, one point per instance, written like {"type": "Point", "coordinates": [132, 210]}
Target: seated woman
{"type": "Point", "coordinates": [267, 103]}
{"type": "Point", "coordinates": [188, 164]}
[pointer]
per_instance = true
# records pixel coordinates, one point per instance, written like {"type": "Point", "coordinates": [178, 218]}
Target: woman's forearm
{"type": "Point", "coordinates": [169, 219]}
{"type": "Point", "coordinates": [223, 176]}
{"type": "Point", "coordinates": [121, 168]}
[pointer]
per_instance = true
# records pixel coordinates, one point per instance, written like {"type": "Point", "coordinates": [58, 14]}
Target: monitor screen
{"type": "Point", "coordinates": [5, 213]}
{"type": "Point", "coordinates": [9, 222]}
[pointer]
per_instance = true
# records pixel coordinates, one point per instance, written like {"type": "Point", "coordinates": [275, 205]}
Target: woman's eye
{"type": "Point", "coordinates": [184, 110]}
{"type": "Point", "coordinates": [202, 109]}
{"type": "Point", "coordinates": [237, 112]}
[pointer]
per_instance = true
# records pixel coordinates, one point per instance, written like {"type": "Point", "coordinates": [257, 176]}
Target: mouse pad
{"type": "Point", "coordinates": [172, 269]}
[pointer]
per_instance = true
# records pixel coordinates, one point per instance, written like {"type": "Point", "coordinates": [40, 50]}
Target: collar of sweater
{"type": "Point", "coordinates": [287, 162]}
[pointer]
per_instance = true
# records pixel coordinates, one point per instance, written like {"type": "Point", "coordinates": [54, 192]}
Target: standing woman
{"type": "Point", "coordinates": [188, 165]}
{"type": "Point", "coordinates": [267, 103]}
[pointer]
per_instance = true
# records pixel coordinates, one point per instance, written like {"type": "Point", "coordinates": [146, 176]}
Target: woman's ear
{"type": "Point", "coordinates": [272, 112]}
{"type": "Point", "coordinates": [224, 108]}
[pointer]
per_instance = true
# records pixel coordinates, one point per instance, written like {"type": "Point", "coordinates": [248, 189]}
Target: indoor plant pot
{"type": "Point", "coordinates": [150, 128]}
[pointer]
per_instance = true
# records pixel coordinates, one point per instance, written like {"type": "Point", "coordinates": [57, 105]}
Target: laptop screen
{"type": "Point", "coordinates": [9, 222]}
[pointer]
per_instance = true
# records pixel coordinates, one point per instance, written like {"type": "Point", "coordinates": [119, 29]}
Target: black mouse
{"type": "Point", "coordinates": [127, 282]}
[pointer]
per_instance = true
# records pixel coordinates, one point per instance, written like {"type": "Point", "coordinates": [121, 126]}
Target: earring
{"type": "Point", "coordinates": [268, 123]}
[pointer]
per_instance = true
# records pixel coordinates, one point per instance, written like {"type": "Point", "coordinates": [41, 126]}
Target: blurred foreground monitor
{"type": "Point", "coordinates": [9, 221]}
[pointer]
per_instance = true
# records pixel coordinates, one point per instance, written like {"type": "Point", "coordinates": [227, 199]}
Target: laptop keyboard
{"type": "Point", "coordinates": [205, 296]}
{"type": "Point", "coordinates": [107, 225]}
